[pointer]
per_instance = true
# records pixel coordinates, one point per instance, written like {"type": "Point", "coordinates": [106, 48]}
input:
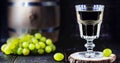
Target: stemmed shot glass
{"type": "Point", "coordinates": [89, 18]}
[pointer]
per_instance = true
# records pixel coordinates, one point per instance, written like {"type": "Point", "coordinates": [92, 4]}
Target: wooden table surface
{"type": "Point", "coordinates": [27, 59]}
{"type": "Point", "coordinates": [48, 58]}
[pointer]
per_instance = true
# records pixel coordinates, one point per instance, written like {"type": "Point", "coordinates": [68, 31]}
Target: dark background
{"type": "Point", "coordinates": [69, 31]}
{"type": "Point", "coordinates": [3, 21]}
{"type": "Point", "coordinates": [110, 28]}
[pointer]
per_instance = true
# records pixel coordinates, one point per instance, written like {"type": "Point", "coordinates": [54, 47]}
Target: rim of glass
{"type": "Point", "coordinates": [90, 7]}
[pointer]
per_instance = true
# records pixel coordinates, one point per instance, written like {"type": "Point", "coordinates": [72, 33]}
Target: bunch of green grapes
{"type": "Point", "coordinates": [28, 44]}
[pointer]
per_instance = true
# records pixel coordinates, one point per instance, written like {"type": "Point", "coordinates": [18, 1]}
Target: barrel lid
{"type": "Point", "coordinates": [32, 3]}
{"type": "Point", "coordinates": [30, 0]}
{"type": "Point", "coordinates": [24, 0]}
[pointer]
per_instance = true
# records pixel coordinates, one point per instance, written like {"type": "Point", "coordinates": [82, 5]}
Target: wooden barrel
{"type": "Point", "coordinates": [31, 16]}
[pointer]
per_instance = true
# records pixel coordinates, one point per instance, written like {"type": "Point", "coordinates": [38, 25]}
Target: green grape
{"type": "Point", "coordinates": [25, 44]}
{"type": "Point", "coordinates": [13, 40]}
{"type": "Point", "coordinates": [58, 56]}
{"type": "Point", "coordinates": [42, 45]}
{"type": "Point", "coordinates": [37, 46]}
{"type": "Point", "coordinates": [31, 36]}
{"type": "Point", "coordinates": [38, 35]}
{"type": "Point", "coordinates": [107, 52]}
{"type": "Point", "coordinates": [24, 38]}
{"type": "Point", "coordinates": [43, 39]}
{"type": "Point", "coordinates": [14, 51]}
{"type": "Point", "coordinates": [3, 47]}
{"type": "Point", "coordinates": [7, 50]}
{"type": "Point", "coordinates": [19, 51]}
{"type": "Point", "coordinates": [48, 49]}
{"type": "Point", "coordinates": [20, 44]}
{"type": "Point", "coordinates": [26, 51]}
{"type": "Point", "coordinates": [12, 45]}
{"type": "Point", "coordinates": [40, 51]}
{"type": "Point", "coordinates": [31, 46]}
{"type": "Point", "coordinates": [9, 40]}
{"type": "Point", "coordinates": [34, 40]}
{"type": "Point", "coordinates": [49, 42]}
{"type": "Point", "coordinates": [53, 48]}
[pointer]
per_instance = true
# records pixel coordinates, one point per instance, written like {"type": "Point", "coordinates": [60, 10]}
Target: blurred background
{"type": "Point", "coordinates": [68, 36]}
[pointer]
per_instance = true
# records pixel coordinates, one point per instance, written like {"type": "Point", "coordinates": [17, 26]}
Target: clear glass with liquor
{"type": "Point", "coordinates": [89, 18]}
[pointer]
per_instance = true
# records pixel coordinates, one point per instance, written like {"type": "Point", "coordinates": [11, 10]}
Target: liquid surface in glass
{"type": "Point", "coordinates": [89, 23]}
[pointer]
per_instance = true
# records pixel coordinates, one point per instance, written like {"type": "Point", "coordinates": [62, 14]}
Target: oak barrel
{"type": "Point", "coordinates": [31, 16]}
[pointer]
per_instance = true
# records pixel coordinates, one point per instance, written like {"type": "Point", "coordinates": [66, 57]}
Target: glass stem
{"type": "Point", "coordinates": [89, 45]}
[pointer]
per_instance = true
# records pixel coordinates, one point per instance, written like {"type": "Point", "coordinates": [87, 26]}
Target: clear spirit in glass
{"type": "Point", "coordinates": [89, 18]}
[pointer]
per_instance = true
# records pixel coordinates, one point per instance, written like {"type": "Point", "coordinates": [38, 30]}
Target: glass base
{"type": "Point", "coordinates": [95, 54]}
